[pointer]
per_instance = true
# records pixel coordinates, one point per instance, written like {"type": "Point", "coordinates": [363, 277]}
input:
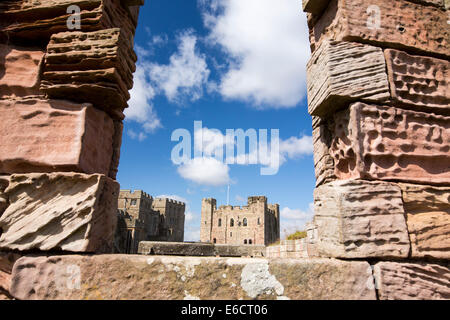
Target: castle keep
{"type": "Point", "coordinates": [144, 218]}
{"type": "Point", "coordinates": [256, 223]}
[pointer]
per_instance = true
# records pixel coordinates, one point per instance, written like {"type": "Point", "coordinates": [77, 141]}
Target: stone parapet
{"type": "Point", "coordinates": [177, 278]}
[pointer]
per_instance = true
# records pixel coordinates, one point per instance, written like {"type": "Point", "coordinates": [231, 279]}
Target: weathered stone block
{"type": "Point", "coordinates": [387, 143]}
{"type": "Point", "coordinates": [360, 219]}
{"type": "Point", "coordinates": [41, 135]}
{"type": "Point", "coordinates": [35, 22]}
{"type": "Point", "coordinates": [95, 67]}
{"type": "Point", "coordinates": [385, 23]}
{"type": "Point", "coordinates": [59, 211]}
{"type": "Point", "coordinates": [7, 260]}
{"type": "Point", "coordinates": [427, 211]}
{"type": "Point", "coordinates": [407, 281]}
{"type": "Point", "coordinates": [4, 182]}
{"type": "Point", "coordinates": [117, 143]}
{"type": "Point", "coordinates": [19, 70]}
{"type": "Point", "coordinates": [421, 82]}
{"type": "Point", "coordinates": [340, 72]}
{"type": "Point", "coordinates": [176, 278]}
{"type": "Point", "coordinates": [314, 6]}
{"type": "Point", "coordinates": [323, 162]}
{"type": "Point", "coordinates": [176, 248]}
{"type": "Point", "coordinates": [230, 250]}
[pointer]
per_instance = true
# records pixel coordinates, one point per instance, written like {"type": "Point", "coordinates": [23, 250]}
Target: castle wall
{"type": "Point", "coordinates": [226, 224]}
{"type": "Point", "coordinates": [149, 219]}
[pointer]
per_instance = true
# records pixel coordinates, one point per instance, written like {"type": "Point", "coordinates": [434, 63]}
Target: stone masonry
{"type": "Point", "coordinates": [258, 223]}
{"type": "Point", "coordinates": [63, 89]}
{"type": "Point", "coordinates": [144, 218]}
{"type": "Point", "coordinates": [378, 92]}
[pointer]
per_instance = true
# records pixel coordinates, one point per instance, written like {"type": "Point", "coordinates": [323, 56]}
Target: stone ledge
{"type": "Point", "coordinates": [406, 281]}
{"type": "Point", "coordinates": [200, 249]}
{"type": "Point", "coordinates": [136, 277]}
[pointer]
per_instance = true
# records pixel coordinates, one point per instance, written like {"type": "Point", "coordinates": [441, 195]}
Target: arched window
{"type": "Point", "coordinates": [250, 241]}
{"type": "Point", "coordinates": [232, 223]}
{"type": "Point", "coordinates": [214, 240]}
{"type": "Point", "coordinates": [245, 241]}
{"type": "Point", "coordinates": [220, 223]}
{"type": "Point", "coordinates": [245, 222]}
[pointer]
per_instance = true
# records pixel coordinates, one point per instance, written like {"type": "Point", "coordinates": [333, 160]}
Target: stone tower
{"type": "Point", "coordinates": [256, 223]}
{"type": "Point", "coordinates": [208, 208]}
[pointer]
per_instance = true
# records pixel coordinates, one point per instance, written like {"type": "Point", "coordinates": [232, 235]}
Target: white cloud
{"type": "Point", "coordinates": [294, 147]}
{"type": "Point", "coordinates": [140, 104]}
{"type": "Point", "coordinates": [141, 136]}
{"type": "Point", "coordinates": [240, 199]}
{"type": "Point", "coordinates": [294, 219]}
{"type": "Point", "coordinates": [186, 73]}
{"type": "Point", "coordinates": [205, 171]}
{"type": "Point", "coordinates": [267, 45]}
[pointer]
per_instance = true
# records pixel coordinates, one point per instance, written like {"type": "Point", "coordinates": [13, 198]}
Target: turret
{"type": "Point", "coordinates": [208, 207]}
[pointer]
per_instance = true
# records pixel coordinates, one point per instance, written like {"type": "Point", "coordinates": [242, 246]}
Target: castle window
{"type": "Point", "coordinates": [259, 222]}
{"type": "Point", "coordinates": [214, 240]}
{"type": "Point", "coordinates": [219, 223]}
{"type": "Point", "coordinates": [231, 223]}
{"type": "Point", "coordinates": [231, 234]}
{"type": "Point", "coordinates": [250, 241]}
{"type": "Point", "coordinates": [245, 222]}
{"type": "Point", "coordinates": [245, 241]}
{"type": "Point", "coordinates": [133, 202]}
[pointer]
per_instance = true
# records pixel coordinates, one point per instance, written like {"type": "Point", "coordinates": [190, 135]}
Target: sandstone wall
{"type": "Point", "coordinates": [379, 95]}
{"type": "Point", "coordinates": [63, 89]}
{"type": "Point", "coordinates": [378, 92]}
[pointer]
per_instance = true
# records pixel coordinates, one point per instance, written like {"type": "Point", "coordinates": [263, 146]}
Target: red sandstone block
{"type": "Point", "coordinates": [407, 281]}
{"type": "Point", "coordinates": [19, 70]}
{"type": "Point", "coordinates": [386, 23]}
{"type": "Point", "coordinates": [421, 82]}
{"type": "Point", "coordinates": [386, 143]}
{"type": "Point", "coordinates": [60, 211]}
{"type": "Point", "coordinates": [39, 135]}
{"type": "Point", "coordinates": [36, 21]}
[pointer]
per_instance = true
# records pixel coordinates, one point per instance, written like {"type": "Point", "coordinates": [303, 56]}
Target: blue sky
{"type": "Point", "coordinates": [230, 64]}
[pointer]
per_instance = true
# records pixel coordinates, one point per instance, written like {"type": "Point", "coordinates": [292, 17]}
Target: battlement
{"type": "Point", "coordinates": [136, 194]}
{"type": "Point", "coordinates": [163, 201]}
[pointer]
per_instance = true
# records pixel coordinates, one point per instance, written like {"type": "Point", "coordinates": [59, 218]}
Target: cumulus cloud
{"type": "Point", "coordinates": [185, 75]}
{"type": "Point", "coordinates": [182, 79]}
{"type": "Point", "coordinates": [140, 104]}
{"type": "Point", "coordinates": [267, 48]}
{"type": "Point", "coordinates": [205, 171]}
{"type": "Point", "coordinates": [294, 219]}
{"type": "Point", "coordinates": [295, 147]}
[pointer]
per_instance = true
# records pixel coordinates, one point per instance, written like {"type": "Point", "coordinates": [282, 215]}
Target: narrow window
{"type": "Point", "coordinates": [259, 222]}
{"type": "Point", "coordinates": [250, 241]}
{"type": "Point", "coordinates": [245, 222]}
{"type": "Point", "coordinates": [232, 223]}
{"type": "Point", "coordinates": [215, 240]}
{"type": "Point", "coordinates": [245, 241]}
{"type": "Point", "coordinates": [220, 223]}
{"type": "Point", "coordinates": [231, 234]}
